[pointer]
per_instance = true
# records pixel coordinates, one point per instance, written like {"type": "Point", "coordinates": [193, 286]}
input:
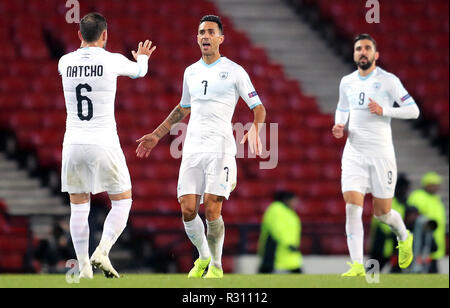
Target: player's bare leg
{"type": "Point", "coordinates": [355, 231]}
{"type": "Point", "coordinates": [195, 230]}
{"type": "Point", "coordinates": [383, 212]}
{"type": "Point", "coordinates": [79, 231]}
{"type": "Point", "coordinates": [215, 234]}
{"type": "Point", "coordinates": [115, 223]}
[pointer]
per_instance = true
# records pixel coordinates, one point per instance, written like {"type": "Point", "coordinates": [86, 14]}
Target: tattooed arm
{"type": "Point", "coordinates": [149, 141]}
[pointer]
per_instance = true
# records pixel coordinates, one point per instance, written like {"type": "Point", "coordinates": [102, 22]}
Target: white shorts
{"type": "Point", "coordinates": [211, 173]}
{"type": "Point", "coordinates": [369, 175]}
{"type": "Point", "coordinates": [94, 169]}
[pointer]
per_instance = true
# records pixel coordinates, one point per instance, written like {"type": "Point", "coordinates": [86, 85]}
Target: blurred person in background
{"type": "Point", "coordinates": [279, 241]}
{"type": "Point", "coordinates": [53, 252]}
{"type": "Point", "coordinates": [429, 204]}
{"type": "Point", "coordinates": [424, 244]}
{"type": "Point", "coordinates": [384, 240]}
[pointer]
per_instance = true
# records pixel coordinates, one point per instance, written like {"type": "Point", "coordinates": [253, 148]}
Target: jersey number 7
{"type": "Point", "coordinates": [205, 82]}
{"type": "Point", "coordinates": [80, 99]}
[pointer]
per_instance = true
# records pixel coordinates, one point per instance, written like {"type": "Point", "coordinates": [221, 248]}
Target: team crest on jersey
{"type": "Point", "coordinates": [223, 75]}
{"type": "Point", "coordinates": [377, 85]}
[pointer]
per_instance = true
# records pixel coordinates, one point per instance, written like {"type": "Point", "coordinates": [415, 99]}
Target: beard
{"type": "Point", "coordinates": [364, 66]}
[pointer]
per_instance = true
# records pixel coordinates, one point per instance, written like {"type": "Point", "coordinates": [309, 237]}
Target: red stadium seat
{"type": "Point", "coordinates": [13, 85]}
{"type": "Point", "coordinates": [12, 262]}
{"type": "Point", "coordinates": [311, 172]}
{"type": "Point", "coordinates": [334, 244]}
{"type": "Point", "coordinates": [24, 120]}
{"type": "Point", "coordinates": [50, 157]}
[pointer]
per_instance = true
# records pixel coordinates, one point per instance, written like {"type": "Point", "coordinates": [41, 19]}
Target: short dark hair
{"type": "Point", "coordinates": [365, 36]}
{"type": "Point", "coordinates": [283, 196]}
{"type": "Point", "coordinates": [213, 18]}
{"type": "Point", "coordinates": [92, 26]}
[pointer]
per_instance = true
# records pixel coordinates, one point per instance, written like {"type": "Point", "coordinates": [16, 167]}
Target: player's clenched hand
{"type": "Point", "coordinates": [338, 131]}
{"type": "Point", "coordinates": [146, 145]}
{"type": "Point", "coordinates": [144, 49]}
{"type": "Point", "coordinates": [254, 141]}
{"type": "Point", "coordinates": [375, 108]}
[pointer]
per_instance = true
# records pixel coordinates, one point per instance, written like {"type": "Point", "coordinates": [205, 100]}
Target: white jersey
{"type": "Point", "coordinates": [369, 134]}
{"type": "Point", "coordinates": [212, 92]}
{"type": "Point", "coordinates": [89, 78]}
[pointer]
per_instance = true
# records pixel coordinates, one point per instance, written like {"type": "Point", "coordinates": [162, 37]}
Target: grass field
{"type": "Point", "coordinates": [229, 281]}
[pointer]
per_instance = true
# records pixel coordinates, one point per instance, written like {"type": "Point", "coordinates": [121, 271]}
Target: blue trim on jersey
{"type": "Point", "coordinates": [412, 103]}
{"type": "Point", "coordinates": [137, 73]}
{"type": "Point", "coordinates": [185, 106]}
{"type": "Point", "coordinates": [254, 105]}
{"type": "Point", "coordinates": [366, 77]}
{"type": "Point", "coordinates": [343, 110]}
{"type": "Point", "coordinates": [212, 64]}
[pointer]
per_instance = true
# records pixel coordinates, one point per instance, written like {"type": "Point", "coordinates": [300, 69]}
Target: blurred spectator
{"type": "Point", "coordinates": [279, 241]}
{"type": "Point", "coordinates": [54, 252]}
{"type": "Point", "coordinates": [384, 241]}
{"type": "Point", "coordinates": [429, 204]}
{"type": "Point", "coordinates": [424, 243]}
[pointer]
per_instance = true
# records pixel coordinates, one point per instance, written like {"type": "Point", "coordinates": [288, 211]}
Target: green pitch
{"type": "Point", "coordinates": [229, 281]}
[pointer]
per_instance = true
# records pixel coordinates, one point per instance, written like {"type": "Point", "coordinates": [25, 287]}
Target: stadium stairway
{"type": "Point", "coordinates": [307, 58]}
{"type": "Point", "coordinates": [25, 196]}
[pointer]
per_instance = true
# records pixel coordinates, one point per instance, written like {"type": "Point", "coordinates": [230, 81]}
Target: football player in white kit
{"type": "Point", "coordinates": [211, 89]}
{"type": "Point", "coordinates": [92, 159]}
{"type": "Point", "coordinates": [366, 100]}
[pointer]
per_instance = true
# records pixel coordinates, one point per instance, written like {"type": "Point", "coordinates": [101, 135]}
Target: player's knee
{"type": "Point", "coordinates": [212, 215]}
{"type": "Point", "coordinates": [122, 196]}
{"type": "Point", "coordinates": [79, 198]}
{"type": "Point", "coordinates": [381, 211]}
{"type": "Point", "coordinates": [213, 207]}
{"type": "Point", "coordinates": [188, 210]}
{"type": "Point", "coordinates": [213, 200]}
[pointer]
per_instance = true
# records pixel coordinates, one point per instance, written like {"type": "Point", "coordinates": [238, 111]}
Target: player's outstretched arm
{"type": "Point", "coordinates": [252, 136]}
{"type": "Point", "coordinates": [149, 141]}
{"type": "Point", "coordinates": [138, 69]}
{"type": "Point", "coordinates": [143, 49]}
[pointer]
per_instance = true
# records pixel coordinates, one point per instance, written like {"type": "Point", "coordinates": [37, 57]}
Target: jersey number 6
{"type": "Point", "coordinates": [80, 99]}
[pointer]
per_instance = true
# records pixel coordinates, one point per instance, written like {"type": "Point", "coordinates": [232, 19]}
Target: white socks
{"type": "Point", "coordinates": [395, 221]}
{"type": "Point", "coordinates": [210, 245]}
{"type": "Point", "coordinates": [355, 232]}
{"type": "Point", "coordinates": [79, 231]}
{"type": "Point", "coordinates": [216, 236]}
{"type": "Point", "coordinates": [115, 223]}
{"type": "Point", "coordinates": [195, 230]}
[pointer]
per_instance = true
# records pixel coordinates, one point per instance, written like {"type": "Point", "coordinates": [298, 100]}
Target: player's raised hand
{"type": "Point", "coordinates": [338, 131]}
{"type": "Point", "coordinates": [146, 145]}
{"type": "Point", "coordinates": [144, 49]}
{"type": "Point", "coordinates": [254, 141]}
{"type": "Point", "coordinates": [375, 108]}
